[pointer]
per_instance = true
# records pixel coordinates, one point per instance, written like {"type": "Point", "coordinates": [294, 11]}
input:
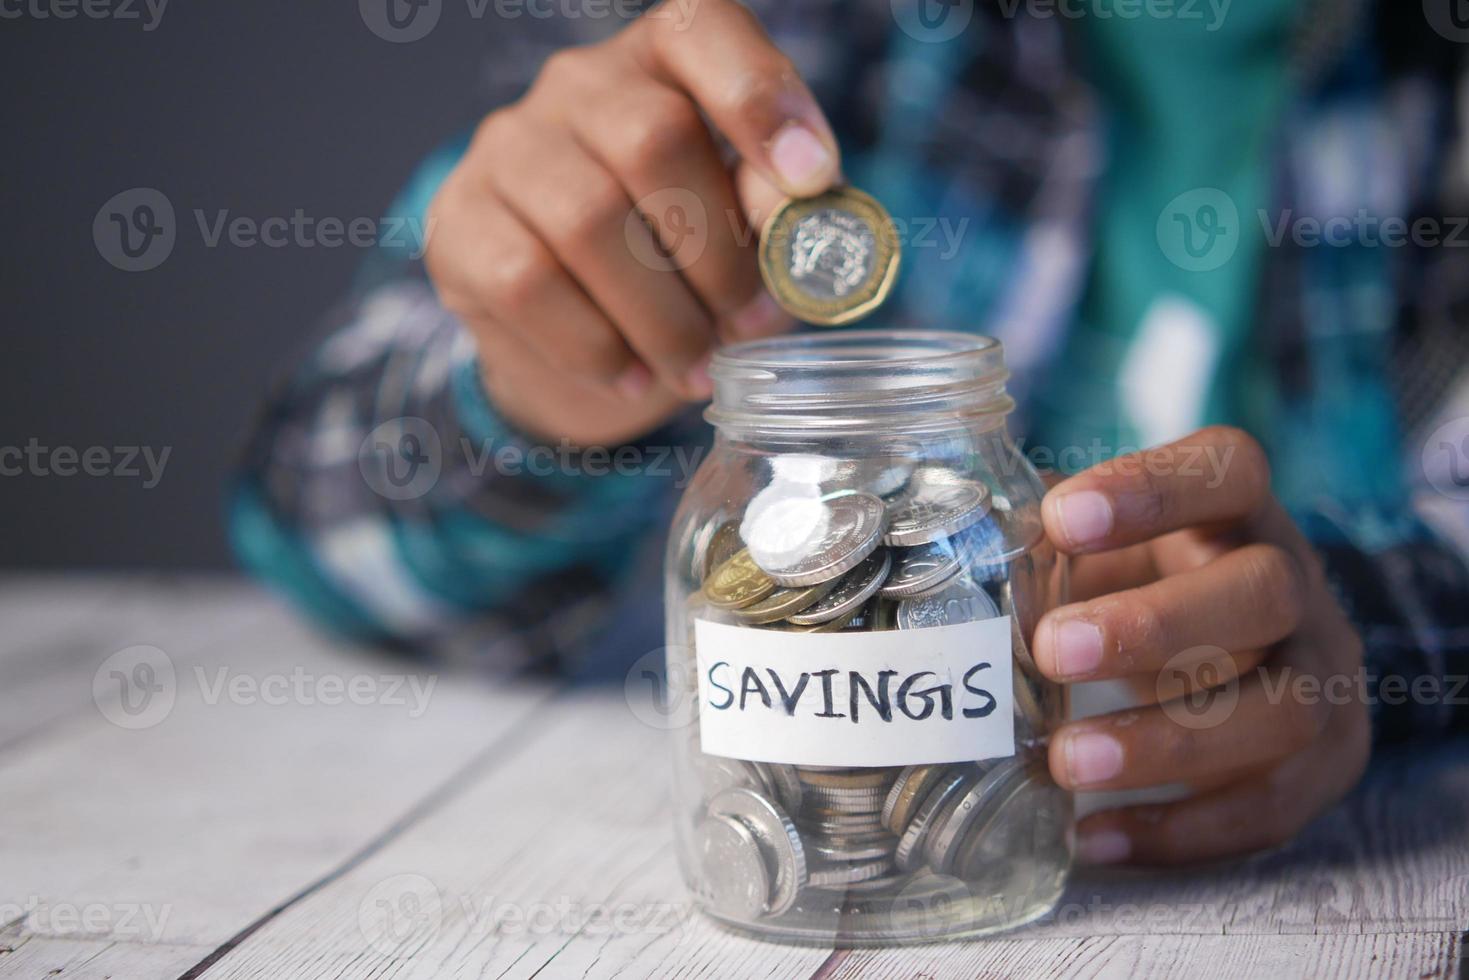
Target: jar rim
{"type": "Point", "coordinates": [854, 380]}
{"type": "Point", "coordinates": [933, 348]}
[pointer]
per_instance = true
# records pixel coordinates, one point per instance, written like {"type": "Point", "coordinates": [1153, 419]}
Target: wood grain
{"type": "Point", "coordinates": [523, 830]}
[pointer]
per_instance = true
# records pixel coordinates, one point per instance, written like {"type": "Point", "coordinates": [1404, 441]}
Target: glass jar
{"type": "Point", "coordinates": [852, 584]}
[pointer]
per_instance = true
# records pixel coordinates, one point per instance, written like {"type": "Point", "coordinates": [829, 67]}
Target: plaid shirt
{"type": "Point", "coordinates": [1140, 237]}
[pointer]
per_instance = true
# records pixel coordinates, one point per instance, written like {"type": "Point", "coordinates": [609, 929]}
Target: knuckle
{"type": "Point", "coordinates": [658, 134]}
{"type": "Point", "coordinates": [587, 216]}
{"type": "Point", "coordinates": [1177, 748]}
{"type": "Point", "coordinates": [567, 67]}
{"type": "Point", "coordinates": [514, 284]}
{"type": "Point", "coordinates": [600, 354]}
{"type": "Point", "coordinates": [754, 95]}
{"type": "Point", "coordinates": [495, 130]}
{"type": "Point", "coordinates": [1153, 505]}
{"type": "Point", "coordinates": [1277, 587]}
{"type": "Point", "coordinates": [1146, 625]}
{"type": "Point", "coordinates": [1250, 463]}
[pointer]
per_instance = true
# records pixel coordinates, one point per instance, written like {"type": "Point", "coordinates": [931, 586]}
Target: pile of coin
{"type": "Point", "coordinates": [836, 545]}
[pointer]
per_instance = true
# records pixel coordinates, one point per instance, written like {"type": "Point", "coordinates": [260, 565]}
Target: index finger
{"type": "Point", "coordinates": [1217, 476]}
{"type": "Point", "coordinates": [722, 58]}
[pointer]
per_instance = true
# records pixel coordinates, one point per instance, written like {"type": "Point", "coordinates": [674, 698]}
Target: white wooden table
{"type": "Point", "coordinates": [261, 817]}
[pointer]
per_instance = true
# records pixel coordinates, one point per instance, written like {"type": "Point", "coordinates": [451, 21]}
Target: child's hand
{"type": "Point", "coordinates": [581, 333]}
{"type": "Point", "coordinates": [1186, 555]}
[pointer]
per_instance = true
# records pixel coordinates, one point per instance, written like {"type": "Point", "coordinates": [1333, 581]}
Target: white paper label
{"type": "Point", "coordinates": [886, 698]}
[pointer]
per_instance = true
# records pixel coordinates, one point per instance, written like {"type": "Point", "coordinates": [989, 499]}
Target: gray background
{"type": "Point", "coordinates": [258, 107]}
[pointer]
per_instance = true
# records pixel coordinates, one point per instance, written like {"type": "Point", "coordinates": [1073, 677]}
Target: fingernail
{"type": "Point", "coordinates": [1086, 516]}
{"type": "Point", "coordinates": [1103, 847]}
{"type": "Point", "coordinates": [761, 317]}
{"type": "Point", "coordinates": [634, 382]}
{"type": "Point", "coordinates": [802, 161]}
{"type": "Point", "coordinates": [1078, 648]}
{"type": "Point", "coordinates": [698, 381]}
{"type": "Point", "coordinates": [1092, 758]}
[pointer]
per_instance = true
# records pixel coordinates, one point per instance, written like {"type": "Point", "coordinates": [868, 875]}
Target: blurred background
{"type": "Point", "coordinates": [253, 110]}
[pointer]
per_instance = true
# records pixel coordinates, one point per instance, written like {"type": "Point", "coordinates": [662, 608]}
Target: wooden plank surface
{"type": "Point", "coordinates": [269, 773]}
{"type": "Point", "coordinates": [521, 830]}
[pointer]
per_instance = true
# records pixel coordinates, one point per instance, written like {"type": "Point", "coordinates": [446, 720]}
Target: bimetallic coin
{"type": "Point", "coordinates": [960, 603]}
{"type": "Point", "coordinates": [777, 836]}
{"type": "Point", "coordinates": [910, 845]}
{"type": "Point", "coordinates": [911, 786]}
{"type": "Point", "coordinates": [853, 531]}
{"type": "Point", "coordinates": [937, 503]}
{"type": "Point", "coordinates": [968, 808]}
{"type": "Point", "coordinates": [850, 593]}
{"type": "Point", "coordinates": [735, 878]}
{"type": "Point", "coordinates": [782, 603]}
{"type": "Point", "coordinates": [922, 569]}
{"type": "Point", "coordinates": [738, 582]}
{"type": "Point", "coordinates": [829, 259]}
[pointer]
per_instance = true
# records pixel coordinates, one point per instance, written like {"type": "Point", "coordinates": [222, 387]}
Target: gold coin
{"type": "Point", "coordinates": [782, 603]}
{"type": "Point", "coordinates": [851, 779]}
{"type": "Point", "coordinates": [738, 582]}
{"type": "Point", "coordinates": [907, 792]}
{"type": "Point", "coordinates": [830, 259]}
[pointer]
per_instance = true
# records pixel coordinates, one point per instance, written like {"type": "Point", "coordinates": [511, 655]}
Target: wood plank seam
{"type": "Point", "coordinates": [500, 750]}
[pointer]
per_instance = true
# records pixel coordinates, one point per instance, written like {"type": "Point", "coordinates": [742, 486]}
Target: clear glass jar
{"type": "Point", "coordinates": [852, 583]}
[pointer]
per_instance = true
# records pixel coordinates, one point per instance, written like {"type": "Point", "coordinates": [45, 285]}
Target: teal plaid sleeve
{"type": "Point", "coordinates": [384, 494]}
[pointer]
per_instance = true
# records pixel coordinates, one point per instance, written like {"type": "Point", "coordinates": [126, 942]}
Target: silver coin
{"type": "Point", "coordinates": [735, 878]}
{"type": "Point", "coordinates": [778, 839]}
{"type": "Point", "coordinates": [845, 800]}
{"type": "Point", "coordinates": [842, 875]}
{"type": "Point", "coordinates": [854, 589]}
{"type": "Point", "coordinates": [885, 475]}
{"type": "Point", "coordinates": [922, 569]}
{"type": "Point", "coordinates": [1023, 619]}
{"type": "Point", "coordinates": [981, 550]}
{"type": "Point", "coordinates": [937, 503]}
{"type": "Point", "coordinates": [826, 829]}
{"type": "Point", "coordinates": [716, 774]}
{"type": "Point", "coordinates": [854, 528]}
{"type": "Point", "coordinates": [962, 602]}
{"type": "Point", "coordinates": [1028, 709]}
{"type": "Point", "coordinates": [974, 804]}
{"type": "Point", "coordinates": [767, 778]}
{"type": "Point", "coordinates": [1027, 830]}
{"type": "Point", "coordinates": [910, 850]}
{"type": "Point", "coordinates": [833, 252]}
{"type": "Point", "coordinates": [786, 785]}
{"type": "Point", "coordinates": [887, 882]}
{"type": "Point", "coordinates": [868, 847]}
